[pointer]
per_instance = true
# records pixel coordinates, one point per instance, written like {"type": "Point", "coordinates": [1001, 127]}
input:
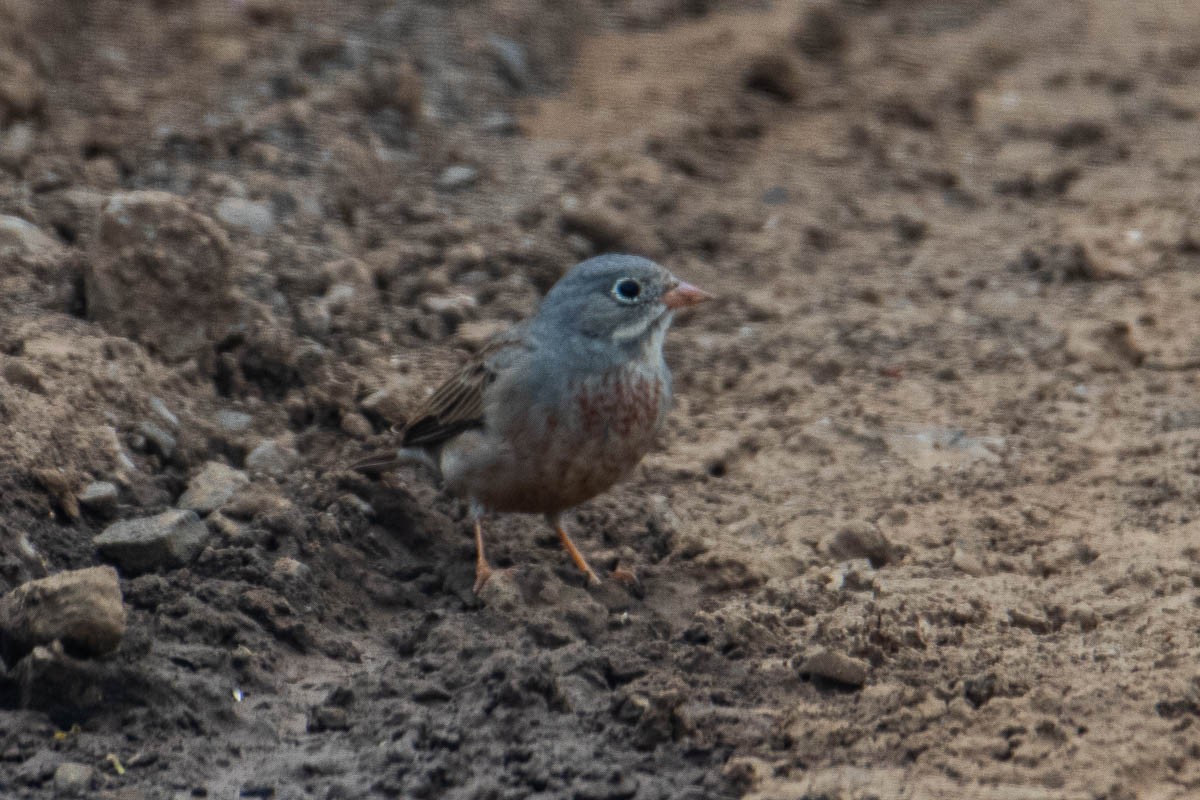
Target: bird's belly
{"type": "Point", "coordinates": [561, 458]}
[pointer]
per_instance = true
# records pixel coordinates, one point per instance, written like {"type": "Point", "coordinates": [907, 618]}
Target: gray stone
{"type": "Point", "coordinates": [510, 60]}
{"type": "Point", "coordinates": [73, 778]}
{"type": "Point", "coordinates": [82, 609]}
{"type": "Point", "coordinates": [38, 768]}
{"type": "Point", "coordinates": [160, 408]}
{"type": "Point", "coordinates": [234, 421]}
{"type": "Point", "coordinates": [500, 122]}
{"type": "Point", "coordinates": [237, 212]}
{"type": "Point", "coordinates": [211, 487]}
{"type": "Point", "coordinates": [458, 176]}
{"type": "Point", "coordinates": [271, 458]}
{"type": "Point", "coordinates": [157, 439]}
{"type": "Point", "coordinates": [25, 238]}
{"type": "Point", "coordinates": [837, 667]}
{"type": "Point", "coordinates": [170, 539]}
{"type": "Point", "coordinates": [16, 145]}
{"type": "Point", "coordinates": [99, 497]}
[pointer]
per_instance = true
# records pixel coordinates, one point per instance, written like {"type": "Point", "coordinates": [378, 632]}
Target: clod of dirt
{"type": "Point", "coordinates": [22, 92]}
{"type": "Point", "coordinates": [861, 539]}
{"type": "Point", "coordinates": [212, 487]}
{"type": "Point", "coordinates": [820, 34]}
{"type": "Point", "coordinates": [159, 274]}
{"type": "Point", "coordinates": [775, 75]}
{"type": "Point", "coordinates": [170, 539]}
{"type": "Point", "coordinates": [837, 667]}
{"type": "Point", "coordinates": [81, 609]}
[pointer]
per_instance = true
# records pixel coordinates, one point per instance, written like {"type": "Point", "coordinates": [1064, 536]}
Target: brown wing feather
{"type": "Point", "coordinates": [457, 405]}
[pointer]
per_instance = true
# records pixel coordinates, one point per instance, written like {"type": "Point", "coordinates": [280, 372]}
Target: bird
{"type": "Point", "coordinates": [558, 408]}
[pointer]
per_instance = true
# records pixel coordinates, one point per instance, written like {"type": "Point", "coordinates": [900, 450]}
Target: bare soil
{"type": "Point", "coordinates": [924, 523]}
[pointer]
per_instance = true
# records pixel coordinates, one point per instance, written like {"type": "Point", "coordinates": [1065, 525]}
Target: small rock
{"type": "Point", "coordinates": [234, 421]}
{"type": "Point", "coordinates": [25, 238]}
{"type": "Point", "coordinates": [1029, 618]}
{"type": "Point", "coordinates": [606, 227]}
{"type": "Point", "coordinates": [394, 401]}
{"type": "Point", "coordinates": [775, 75]}
{"type": "Point", "coordinates": [99, 497]}
{"type": "Point", "coordinates": [821, 34]}
{"type": "Point", "coordinates": [170, 539]}
{"type": "Point", "coordinates": [237, 212]}
{"type": "Point", "coordinates": [837, 667]}
{"type": "Point", "coordinates": [160, 408]}
{"type": "Point", "coordinates": [454, 306]}
{"type": "Point", "coordinates": [328, 718]}
{"type": "Point", "coordinates": [510, 60]}
{"type": "Point", "coordinates": [38, 769]}
{"type": "Point", "coordinates": [73, 778]}
{"type": "Point", "coordinates": [476, 334]}
{"type": "Point", "coordinates": [458, 176]}
{"type": "Point", "coordinates": [271, 458]}
{"type": "Point", "coordinates": [1085, 617]}
{"type": "Point", "coordinates": [82, 609]}
{"type": "Point", "coordinates": [22, 91]}
{"type": "Point", "coordinates": [356, 425]}
{"type": "Point", "coordinates": [16, 145]}
{"type": "Point", "coordinates": [500, 122]}
{"type": "Point", "coordinates": [157, 439]}
{"type": "Point", "coordinates": [861, 539]}
{"type": "Point", "coordinates": [211, 487]}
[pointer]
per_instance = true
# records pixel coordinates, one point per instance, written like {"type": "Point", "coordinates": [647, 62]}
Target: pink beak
{"type": "Point", "coordinates": [684, 295]}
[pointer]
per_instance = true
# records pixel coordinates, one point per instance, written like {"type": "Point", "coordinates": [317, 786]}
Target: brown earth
{"type": "Point", "coordinates": [924, 523]}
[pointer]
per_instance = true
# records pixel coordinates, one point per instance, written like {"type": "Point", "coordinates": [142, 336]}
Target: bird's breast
{"type": "Point", "coordinates": [566, 452]}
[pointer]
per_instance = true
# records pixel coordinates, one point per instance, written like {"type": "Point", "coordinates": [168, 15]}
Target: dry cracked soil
{"type": "Point", "coordinates": [923, 523]}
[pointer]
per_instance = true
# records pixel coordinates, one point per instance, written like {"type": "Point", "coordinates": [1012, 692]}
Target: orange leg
{"type": "Point", "coordinates": [573, 551]}
{"type": "Point", "coordinates": [483, 570]}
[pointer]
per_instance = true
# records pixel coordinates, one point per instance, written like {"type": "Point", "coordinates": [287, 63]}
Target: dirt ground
{"type": "Point", "coordinates": [923, 524]}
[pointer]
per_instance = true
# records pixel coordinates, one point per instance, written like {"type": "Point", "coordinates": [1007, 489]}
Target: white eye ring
{"type": "Point", "coordinates": [626, 290]}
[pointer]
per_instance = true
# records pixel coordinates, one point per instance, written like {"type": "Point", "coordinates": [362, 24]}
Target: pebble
{"type": "Point", "coordinates": [170, 539]}
{"type": "Point", "coordinates": [458, 176]}
{"type": "Point", "coordinates": [16, 145]}
{"type": "Point", "coordinates": [72, 778]}
{"type": "Point", "coordinates": [237, 212]}
{"type": "Point", "coordinates": [38, 768]}
{"type": "Point", "coordinates": [271, 458]}
{"type": "Point", "coordinates": [500, 122]}
{"type": "Point", "coordinates": [157, 439]}
{"type": "Point", "coordinates": [25, 237]}
{"type": "Point", "coordinates": [234, 421]}
{"type": "Point", "coordinates": [99, 497]}
{"type": "Point", "coordinates": [838, 667]}
{"type": "Point", "coordinates": [160, 408]}
{"type": "Point", "coordinates": [82, 609]}
{"type": "Point", "coordinates": [211, 487]}
{"type": "Point", "coordinates": [510, 60]}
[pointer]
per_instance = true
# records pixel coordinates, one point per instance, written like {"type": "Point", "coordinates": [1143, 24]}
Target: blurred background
{"type": "Point", "coordinates": [923, 523]}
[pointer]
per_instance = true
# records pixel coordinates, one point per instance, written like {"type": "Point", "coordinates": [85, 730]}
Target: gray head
{"type": "Point", "coordinates": [618, 299]}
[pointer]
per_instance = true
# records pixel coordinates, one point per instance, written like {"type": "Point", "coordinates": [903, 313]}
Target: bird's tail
{"type": "Point", "coordinates": [386, 460]}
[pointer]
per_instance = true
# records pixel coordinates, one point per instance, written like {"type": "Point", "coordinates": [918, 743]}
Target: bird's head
{"type": "Point", "coordinates": [620, 299]}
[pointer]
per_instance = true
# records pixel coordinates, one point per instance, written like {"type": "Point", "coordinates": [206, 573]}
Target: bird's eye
{"type": "Point", "coordinates": [627, 290]}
